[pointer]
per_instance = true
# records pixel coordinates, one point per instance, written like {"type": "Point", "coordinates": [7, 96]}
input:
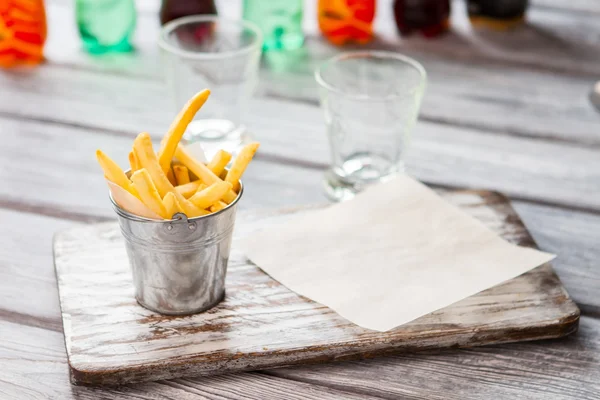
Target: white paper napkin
{"type": "Point", "coordinates": [394, 253]}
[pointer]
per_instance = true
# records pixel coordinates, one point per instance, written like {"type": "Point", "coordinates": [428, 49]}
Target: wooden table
{"type": "Point", "coordinates": [507, 112]}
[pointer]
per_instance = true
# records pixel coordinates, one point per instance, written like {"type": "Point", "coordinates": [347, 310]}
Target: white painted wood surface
{"type": "Point", "coordinates": [537, 97]}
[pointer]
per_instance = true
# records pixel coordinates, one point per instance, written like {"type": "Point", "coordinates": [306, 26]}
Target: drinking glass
{"type": "Point", "coordinates": [371, 101]}
{"type": "Point", "coordinates": [212, 52]}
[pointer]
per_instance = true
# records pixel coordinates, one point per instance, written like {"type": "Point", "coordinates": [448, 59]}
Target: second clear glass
{"type": "Point", "coordinates": [371, 101]}
{"type": "Point", "coordinates": [211, 52]}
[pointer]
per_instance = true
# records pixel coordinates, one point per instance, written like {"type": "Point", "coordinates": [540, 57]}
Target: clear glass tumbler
{"type": "Point", "coordinates": [371, 101]}
{"type": "Point", "coordinates": [211, 52]}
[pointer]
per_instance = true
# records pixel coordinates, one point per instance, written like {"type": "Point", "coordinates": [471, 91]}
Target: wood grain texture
{"type": "Point", "coordinates": [557, 369]}
{"type": "Point", "coordinates": [543, 94]}
{"type": "Point", "coordinates": [33, 365]}
{"type": "Point", "coordinates": [586, 6]}
{"type": "Point", "coordinates": [575, 237]}
{"type": "Point", "coordinates": [479, 94]}
{"type": "Point", "coordinates": [28, 287]}
{"type": "Point", "coordinates": [486, 93]}
{"type": "Point", "coordinates": [261, 324]}
{"type": "Point", "coordinates": [64, 174]}
{"type": "Point", "coordinates": [531, 169]}
{"type": "Point", "coordinates": [27, 283]}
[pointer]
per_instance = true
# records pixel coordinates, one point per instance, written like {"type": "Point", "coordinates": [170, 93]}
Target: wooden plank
{"type": "Point", "coordinates": [45, 379]}
{"type": "Point", "coordinates": [113, 340]}
{"type": "Point", "coordinates": [538, 103]}
{"type": "Point", "coordinates": [586, 6]}
{"type": "Point", "coordinates": [33, 365]}
{"type": "Point", "coordinates": [503, 99]}
{"type": "Point", "coordinates": [27, 282]}
{"type": "Point", "coordinates": [575, 243]}
{"type": "Point", "coordinates": [64, 173]}
{"type": "Point", "coordinates": [445, 155]}
{"type": "Point", "coordinates": [531, 169]}
{"type": "Point", "coordinates": [559, 370]}
{"type": "Point", "coordinates": [483, 91]}
{"type": "Point", "coordinates": [573, 235]}
{"type": "Point", "coordinates": [70, 186]}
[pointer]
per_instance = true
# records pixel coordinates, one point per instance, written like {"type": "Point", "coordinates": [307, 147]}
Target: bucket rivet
{"type": "Point", "coordinates": [170, 227]}
{"type": "Point", "coordinates": [191, 227]}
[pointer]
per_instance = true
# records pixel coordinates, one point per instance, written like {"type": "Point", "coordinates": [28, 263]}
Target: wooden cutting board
{"type": "Point", "coordinates": [110, 339]}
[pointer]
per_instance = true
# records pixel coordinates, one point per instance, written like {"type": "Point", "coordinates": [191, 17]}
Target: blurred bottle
{"type": "Point", "coordinates": [173, 9]}
{"type": "Point", "coordinates": [106, 25]}
{"type": "Point", "coordinates": [429, 17]}
{"type": "Point", "coordinates": [22, 32]}
{"type": "Point", "coordinates": [346, 21]}
{"type": "Point", "coordinates": [279, 20]}
{"type": "Point", "coordinates": [497, 14]}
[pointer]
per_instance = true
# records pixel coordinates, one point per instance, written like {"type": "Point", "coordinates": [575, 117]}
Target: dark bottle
{"type": "Point", "coordinates": [429, 17]}
{"type": "Point", "coordinates": [173, 9]}
{"type": "Point", "coordinates": [497, 14]}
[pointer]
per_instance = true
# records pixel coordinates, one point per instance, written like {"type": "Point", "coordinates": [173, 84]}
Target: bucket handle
{"type": "Point", "coordinates": [178, 221]}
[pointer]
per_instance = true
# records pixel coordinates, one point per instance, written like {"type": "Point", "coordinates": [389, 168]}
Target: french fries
{"type": "Point", "coordinates": [178, 127]}
{"type": "Point", "coordinates": [172, 206]}
{"type": "Point", "coordinates": [209, 196]}
{"type": "Point", "coordinates": [114, 173]}
{"type": "Point", "coordinates": [189, 189]}
{"type": "Point", "coordinates": [148, 193]}
{"type": "Point", "coordinates": [163, 184]}
{"type": "Point", "coordinates": [133, 162]}
{"type": "Point", "coordinates": [181, 174]}
{"type": "Point", "coordinates": [201, 171]}
{"type": "Point", "coordinates": [142, 147]}
{"type": "Point", "coordinates": [240, 163]}
{"type": "Point", "coordinates": [219, 161]}
{"type": "Point", "coordinates": [171, 177]}
{"type": "Point", "coordinates": [218, 206]}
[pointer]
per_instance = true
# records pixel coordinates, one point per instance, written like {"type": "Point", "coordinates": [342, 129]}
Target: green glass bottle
{"type": "Point", "coordinates": [279, 20]}
{"type": "Point", "coordinates": [106, 25]}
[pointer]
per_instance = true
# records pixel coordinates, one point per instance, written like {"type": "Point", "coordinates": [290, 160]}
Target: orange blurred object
{"type": "Point", "coordinates": [22, 32]}
{"type": "Point", "coordinates": [346, 21]}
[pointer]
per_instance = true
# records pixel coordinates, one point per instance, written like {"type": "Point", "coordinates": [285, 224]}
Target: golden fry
{"type": "Point", "coordinates": [240, 163]}
{"type": "Point", "coordinates": [219, 161]}
{"type": "Point", "coordinates": [148, 193]}
{"type": "Point", "coordinates": [171, 176]}
{"type": "Point", "coordinates": [178, 127]}
{"type": "Point", "coordinates": [142, 146]}
{"type": "Point", "coordinates": [218, 206]}
{"type": "Point", "coordinates": [202, 171]}
{"type": "Point", "coordinates": [189, 189]}
{"type": "Point", "coordinates": [209, 196]}
{"type": "Point", "coordinates": [181, 174]}
{"type": "Point", "coordinates": [133, 162]}
{"type": "Point", "coordinates": [114, 173]}
{"type": "Point", "coordinates": [172, 205]}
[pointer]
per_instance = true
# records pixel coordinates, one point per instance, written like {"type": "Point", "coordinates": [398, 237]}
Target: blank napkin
{"type": "Point", "coordinates": [395, 252]}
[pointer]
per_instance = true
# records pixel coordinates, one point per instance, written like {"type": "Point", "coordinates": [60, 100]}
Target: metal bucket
{"type": "Point", "coordinates": [179, 266]}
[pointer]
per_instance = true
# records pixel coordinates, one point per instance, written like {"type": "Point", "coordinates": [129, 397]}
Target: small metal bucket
{"type": "Point", "coordinates": [179, 266]}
